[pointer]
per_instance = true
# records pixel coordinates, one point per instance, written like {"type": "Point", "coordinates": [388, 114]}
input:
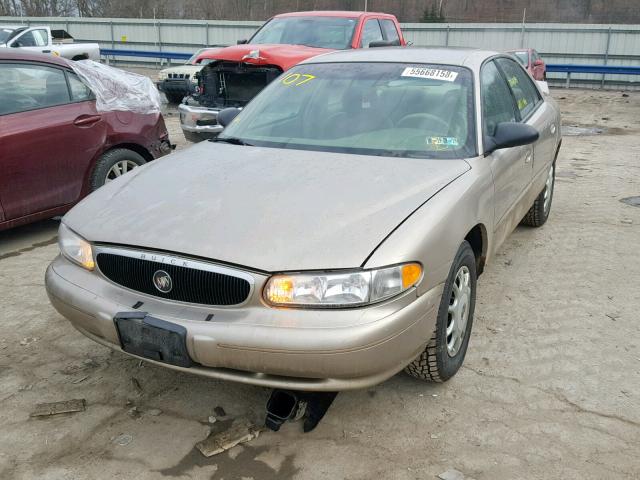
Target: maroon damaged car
{"type": "Point", "coordinates": [55, 147]}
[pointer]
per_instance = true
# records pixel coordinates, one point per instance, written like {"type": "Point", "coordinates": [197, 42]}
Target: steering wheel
{"type": "Point", "coordinates": [424, 121]}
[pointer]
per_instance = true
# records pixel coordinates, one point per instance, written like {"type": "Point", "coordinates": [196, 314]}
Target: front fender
{"type": "Point", "coordinates": [433, 233]}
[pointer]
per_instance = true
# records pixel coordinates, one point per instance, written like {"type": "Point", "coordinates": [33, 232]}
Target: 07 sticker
{"type": "Point", "coordinates": [297, 79]}
{"type": "Point", "coordinates": [430, 73]}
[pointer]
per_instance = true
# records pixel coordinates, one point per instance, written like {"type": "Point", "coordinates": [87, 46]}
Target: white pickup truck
{"type": "Point", "coordinates": [44, 40]}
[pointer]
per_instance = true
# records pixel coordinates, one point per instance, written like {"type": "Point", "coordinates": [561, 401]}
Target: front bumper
{"type": "Point", "coordinates": [315, 350]}
{"type": "Point", "coordinates": [178, 86]}
{"type": "Point", "coordinates": [199, 120]}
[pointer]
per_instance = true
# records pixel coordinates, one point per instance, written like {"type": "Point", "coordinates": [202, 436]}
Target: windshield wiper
{"type": "Point", "coordinates": [231, 140]}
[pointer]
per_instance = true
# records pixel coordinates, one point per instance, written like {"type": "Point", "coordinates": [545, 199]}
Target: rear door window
{"type": "Point", "coordinates": [370, 33]}
{"type": "Point", "coordinates": [29, 87]}
{"type": "Point", "coordinates": [521, 85]}
{"type": "Point", "coordinates": [390, 31]}
{"type": "Point", "coordinates": [497, 102]}
{"type": "Point", "coordinates": [79, 91]}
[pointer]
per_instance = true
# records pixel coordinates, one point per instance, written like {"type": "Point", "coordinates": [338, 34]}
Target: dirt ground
{"type": "Point", "coordinates": [550, 388]}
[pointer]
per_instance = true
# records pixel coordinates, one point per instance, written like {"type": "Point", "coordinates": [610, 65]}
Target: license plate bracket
{"type": "Point", "coordinates": [149, 337]}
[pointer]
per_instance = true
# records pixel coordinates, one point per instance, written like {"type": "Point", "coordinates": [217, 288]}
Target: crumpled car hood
{"type": "Point", "coordinates": [283, 56]}
{"type": "Point", "coordinates": [264, 208]}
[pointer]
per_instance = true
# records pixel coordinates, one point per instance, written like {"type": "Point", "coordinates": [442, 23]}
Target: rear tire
{"type": "Point", "coordinates": [539, 211]}
{"type": "Point", "coordinates": [444, 354]}
{"type": "Point", "coordinates": [113, 164]}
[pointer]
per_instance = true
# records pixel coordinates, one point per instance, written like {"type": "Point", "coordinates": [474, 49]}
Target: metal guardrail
{"type": "Point", "coordinates": [551, 68]}
{"type": "Point", "coordinates": [112, 52]}
{"type": "Point", "coordinates": [603, 69]}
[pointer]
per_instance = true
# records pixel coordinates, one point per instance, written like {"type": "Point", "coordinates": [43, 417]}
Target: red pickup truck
{"type": "Point", "coordinates": [239, 72]}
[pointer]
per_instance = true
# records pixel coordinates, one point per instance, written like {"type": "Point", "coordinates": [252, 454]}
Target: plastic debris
{"type": "Point", "coordinates": [212, 419]}
{"type": "Point", "coordinates": [116, 89]}
{"type": "Point", "coordinates": [123, 440]}
{"type": "Point", "coordinates": [451, 474]}
{"type": "Point", "coordinates": [240, 431]}
{"type": "Point", "coordinates": [55, 408]}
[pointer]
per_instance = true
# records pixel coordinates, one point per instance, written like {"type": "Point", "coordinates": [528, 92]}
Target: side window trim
{"type": "Point", "coordinates": [514, 106]}
{"type": "Point", "coordinates": [514, 101]}
{"type": "Point", "coordinates": [539, 99]}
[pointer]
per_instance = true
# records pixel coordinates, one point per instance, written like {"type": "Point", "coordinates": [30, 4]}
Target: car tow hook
{"type": "Point", "coordinates": [286, 405]}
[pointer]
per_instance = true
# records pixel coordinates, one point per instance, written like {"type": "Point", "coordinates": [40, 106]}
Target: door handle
{"type": "Point", "coordinates": [527, 157]}
{"type": "Point", "coordinates": [46, 51]}
{"type": "Point", "coordinates": [86, 120]}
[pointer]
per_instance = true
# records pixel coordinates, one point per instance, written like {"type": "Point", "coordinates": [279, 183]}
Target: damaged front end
{"type": "Point", "coordinates": [221, 85]}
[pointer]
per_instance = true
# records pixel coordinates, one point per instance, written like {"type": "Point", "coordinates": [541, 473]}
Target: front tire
{"type": "Point", "coordinates": [444, 354]}
{"type": "Point", "coordinates": [113, 164]}
{"type": "Point", "coordinates": [539, 211]}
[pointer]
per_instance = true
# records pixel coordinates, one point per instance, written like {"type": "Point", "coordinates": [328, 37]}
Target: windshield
{"type": "Point", "coordinates": [322, 32]}
{"type": "Point", "coordinates": [388, 109]}
{"type": "Point", "coordinates": [523, 57]}
{"type": "Point", "coordinates": [5, 34]}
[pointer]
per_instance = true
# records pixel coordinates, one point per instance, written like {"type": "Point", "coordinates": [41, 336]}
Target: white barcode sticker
{"type": "Point", "coordinates": [430, 73]}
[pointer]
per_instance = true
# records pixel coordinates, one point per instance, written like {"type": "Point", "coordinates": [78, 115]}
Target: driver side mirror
{"type": "Point", "coordinates": [510, 134]}
{"type": "Point", "coordinates": [226, 116]}
{"type": "Point", "coordinates": [243, 41]}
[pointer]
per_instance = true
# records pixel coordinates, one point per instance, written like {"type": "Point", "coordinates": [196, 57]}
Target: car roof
{"type": "Point", "coordinates": [466, 57]}
{"type": "Point", "coordinates": [27, 56]}
{"type": "Point", "coordinates": [332, 13]}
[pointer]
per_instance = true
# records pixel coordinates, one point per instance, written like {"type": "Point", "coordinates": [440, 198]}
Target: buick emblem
{"type": "Point", "coordinates": [162, 281]}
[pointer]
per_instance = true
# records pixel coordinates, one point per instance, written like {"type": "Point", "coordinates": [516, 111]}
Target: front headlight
{"type": "Point", "coordinates": [162, 75]}
{"type": "Point", "coordinates": [75, 248]}
{"type": "Point", "coordinates": [340, 289]}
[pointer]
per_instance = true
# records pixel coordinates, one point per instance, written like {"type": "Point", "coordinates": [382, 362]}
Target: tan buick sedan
{"type": "Point", "coordinates": [333, 233]}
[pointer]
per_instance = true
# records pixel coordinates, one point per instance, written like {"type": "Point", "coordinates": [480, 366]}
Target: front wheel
{"type": "Point", "coordinates": [539, 211]}
{"type": "Point", "coordinates": [114, 164]}
{"type": "Point", "coordinates": [445, 352]}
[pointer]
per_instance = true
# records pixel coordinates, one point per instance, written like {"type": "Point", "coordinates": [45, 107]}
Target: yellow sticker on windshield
{"type": "Point", "coordinates": [430, 73]}
{"type": "Point", "coordinates": [522, 103]}
{"type": "Point", "coordinates": [297, 79]}
{"type": "Point", "coordinates": [513, 81]}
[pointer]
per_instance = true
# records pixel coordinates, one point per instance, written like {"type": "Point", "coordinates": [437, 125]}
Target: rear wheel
{"type": "Point", "coordinates": [114, 164]}
{"type": "Point", "coordinates": [445, 352]}
{"type": "Point", "coordinates": [539, 211]}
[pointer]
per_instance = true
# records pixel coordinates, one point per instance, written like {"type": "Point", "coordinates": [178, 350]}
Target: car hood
{"type": "Point", "coordinates": [183, 69]}
{"type": "Point", "coordinates": [264, 208]}
{"type": "Point", "coordinates": [283, 56]}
